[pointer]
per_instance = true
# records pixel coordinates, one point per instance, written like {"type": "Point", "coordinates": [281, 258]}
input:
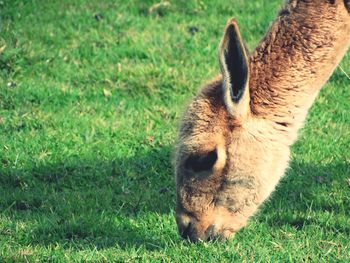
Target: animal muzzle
{"type": "Point", "coordinates": [194, 230]}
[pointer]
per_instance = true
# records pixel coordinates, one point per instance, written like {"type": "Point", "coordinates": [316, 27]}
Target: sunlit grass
{"type": "Point", "coordinates": [90, 96]}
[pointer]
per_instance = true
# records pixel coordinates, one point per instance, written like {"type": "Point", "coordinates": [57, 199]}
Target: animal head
{"type": "Point", "coordinates": [221, 151]}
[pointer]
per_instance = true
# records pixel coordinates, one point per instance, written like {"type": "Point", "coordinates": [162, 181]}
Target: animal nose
{"type": "Point", "coordinates": [188, 229]}
{"type": "Point", "coordinates": [210, 233]}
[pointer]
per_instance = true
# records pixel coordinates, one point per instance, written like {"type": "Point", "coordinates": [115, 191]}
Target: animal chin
{"type": "Point", "coordinates": [216, 223]}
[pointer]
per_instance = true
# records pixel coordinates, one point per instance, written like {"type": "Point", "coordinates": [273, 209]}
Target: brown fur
{"type": "Point", "coordinates": [286, 71]}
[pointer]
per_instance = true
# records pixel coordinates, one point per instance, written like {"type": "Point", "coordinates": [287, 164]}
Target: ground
{"type": "Point", "coordinates": [90, 96]}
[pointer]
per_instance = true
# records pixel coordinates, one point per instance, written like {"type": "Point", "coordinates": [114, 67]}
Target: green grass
{"type": "Point", "coordinates": [90, 96]}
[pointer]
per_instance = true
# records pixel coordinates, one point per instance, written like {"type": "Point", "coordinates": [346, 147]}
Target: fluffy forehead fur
{"type": "Point", "coordinates": [286, 71]}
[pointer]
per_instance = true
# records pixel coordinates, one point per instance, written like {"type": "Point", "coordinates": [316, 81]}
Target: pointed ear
{"type": "Point", "coordinates": [234, 65]}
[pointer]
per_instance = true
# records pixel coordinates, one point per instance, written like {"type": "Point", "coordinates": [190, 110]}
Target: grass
{"type": "Point", "coordinates": [90, 96]}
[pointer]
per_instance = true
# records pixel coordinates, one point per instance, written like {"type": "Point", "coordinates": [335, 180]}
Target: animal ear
{"type": "Point", "coordinates": [234, 66]}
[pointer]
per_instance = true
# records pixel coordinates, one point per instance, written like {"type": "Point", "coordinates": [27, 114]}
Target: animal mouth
{"type": "Point", "coordinates": [210, 234]}
{"type": "Point", "coordinates": [194, 230]}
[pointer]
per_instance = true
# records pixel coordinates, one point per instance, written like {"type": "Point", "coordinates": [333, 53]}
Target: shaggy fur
{"type": "Point", "coordinates": [249, 140]}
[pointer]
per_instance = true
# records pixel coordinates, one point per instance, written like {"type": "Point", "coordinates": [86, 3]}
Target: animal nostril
{"type": "Point", "coordinates": [189, 232]}
{"type": "Point", "coordinates": [186, 230]}
{"type": "Point", "coordinates": [209, 233]}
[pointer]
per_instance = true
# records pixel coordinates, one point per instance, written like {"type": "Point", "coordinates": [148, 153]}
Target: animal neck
{"type": "Point", "coordinates": [296, 57]}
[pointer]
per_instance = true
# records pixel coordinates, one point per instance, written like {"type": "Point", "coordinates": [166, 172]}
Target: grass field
{"type": "Point", "coordinates": [90, 96]}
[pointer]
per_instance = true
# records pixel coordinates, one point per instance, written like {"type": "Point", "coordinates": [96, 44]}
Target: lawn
{"type": "Point", "coordinates": [90, 96]}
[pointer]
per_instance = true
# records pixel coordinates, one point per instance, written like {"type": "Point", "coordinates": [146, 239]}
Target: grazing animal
{"type": "Point", "coordinates": [235, 136]}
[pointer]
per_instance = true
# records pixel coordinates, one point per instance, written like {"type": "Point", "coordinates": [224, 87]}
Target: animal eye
{"type": "Point", "coordinates": [201, 162]}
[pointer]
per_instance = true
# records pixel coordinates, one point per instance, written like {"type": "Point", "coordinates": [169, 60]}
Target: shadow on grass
{"type": "Point", "coordinates": [91, 203]}
{"type": "Point", "coordinates": [81, 204]}
{"type": "Point", "coordinates": [310, 191]}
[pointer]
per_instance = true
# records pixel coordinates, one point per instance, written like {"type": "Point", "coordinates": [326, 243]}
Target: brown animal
{"type": "Point", "coordinates": [235, 136]}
